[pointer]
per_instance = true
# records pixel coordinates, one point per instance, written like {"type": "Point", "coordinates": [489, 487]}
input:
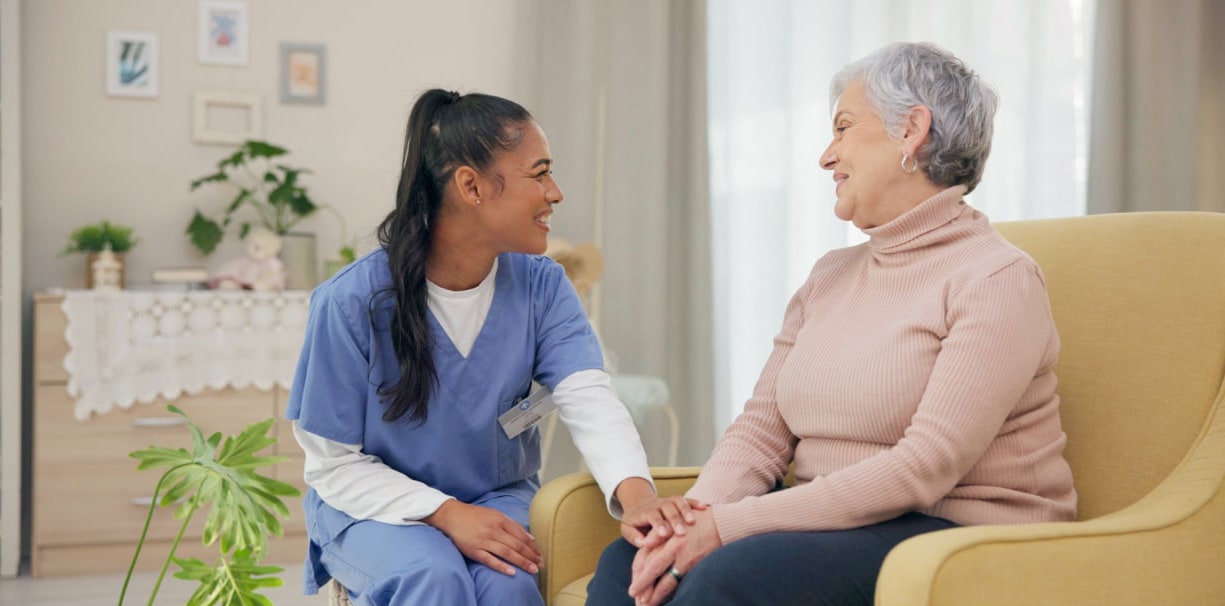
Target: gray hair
{"type": "Point", "coordinates": [903, 75]}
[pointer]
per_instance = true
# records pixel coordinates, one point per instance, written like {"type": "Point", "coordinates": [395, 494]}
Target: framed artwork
{"type": "Point", "coordinates": [303, 73]}
{"type": "Point", "coordinates": [131, 64]}
{"type": "Point", "coordinates": [226, 118]}
{"type": "Point", "coordinates": [223, 32]}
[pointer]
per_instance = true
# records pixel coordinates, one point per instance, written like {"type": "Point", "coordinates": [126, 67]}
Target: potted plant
{"type": "Point", "coordinates": [273, 193]}
{"type": "Point", "coordinates": [219, 473]}
{"type": "Point", "coordinates": [95, 238]}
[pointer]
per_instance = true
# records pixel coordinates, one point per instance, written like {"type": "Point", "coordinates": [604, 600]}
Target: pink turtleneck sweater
{"type": "Point", "coordinates": [912, 373]}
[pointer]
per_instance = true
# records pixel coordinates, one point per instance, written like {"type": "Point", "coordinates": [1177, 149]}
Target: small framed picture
{"type": "Point", "coordinates": [303, 73]}
{"type": "Point", "coordinates": [131, 64]}
{"type": "Point", "coordinates": [223, 32]}
{"type": "Point", "coordinates": [227, 118]}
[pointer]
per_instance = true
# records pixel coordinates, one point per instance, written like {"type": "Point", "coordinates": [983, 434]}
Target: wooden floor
{"type": "Point", "coordinates": [103, 590]}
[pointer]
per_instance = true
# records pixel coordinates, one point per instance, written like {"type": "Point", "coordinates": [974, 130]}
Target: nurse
{"type": "Point", "coordinates": [418, 493]}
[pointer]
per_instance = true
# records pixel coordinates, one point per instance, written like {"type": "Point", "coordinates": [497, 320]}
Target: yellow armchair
{"type": "Point", "coordinates": [1139, 300]}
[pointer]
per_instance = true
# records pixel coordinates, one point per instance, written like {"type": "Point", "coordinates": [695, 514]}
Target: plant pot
{"type": "Point", "coordinates": [89, 270]}
{"type": "Point", "coordinates": [300, 260]}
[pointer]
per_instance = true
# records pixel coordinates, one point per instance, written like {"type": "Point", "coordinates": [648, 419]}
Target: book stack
{"type": "Point", "coordinates": [190, 278]}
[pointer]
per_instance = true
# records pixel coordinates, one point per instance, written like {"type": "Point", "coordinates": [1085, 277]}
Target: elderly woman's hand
{"type": "Point", "coordinates": [659, 570]}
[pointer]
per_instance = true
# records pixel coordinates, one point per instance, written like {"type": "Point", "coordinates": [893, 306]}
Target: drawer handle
{"type": "Point", "coordinates": [158, 421]}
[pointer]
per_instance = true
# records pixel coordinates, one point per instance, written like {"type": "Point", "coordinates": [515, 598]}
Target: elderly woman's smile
{"type": "Point", "coordinates": [871, 187]}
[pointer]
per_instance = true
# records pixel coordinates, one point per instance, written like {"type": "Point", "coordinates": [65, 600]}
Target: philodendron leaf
{"type": "Point", "coordinates": [235, 582]}
{"type": "Point", "coordinates": [261, 149]}
{"type": "Point", "coordinates": [205, 233]}
{"type": "Point", "coordinates": [220, 474]}
{"type": "Point", "coordinates": [213, 178]}
{"type": "Point", "coordinates": [234, 159]}
{"type": "Point", "coordinates": [301, 204]}
{"type": "Point", "coordinates": [281, 194]}
{"type": "Point", "coordinates": [156, 456]}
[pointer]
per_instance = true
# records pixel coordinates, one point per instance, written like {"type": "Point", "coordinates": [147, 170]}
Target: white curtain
{"type": "Point", "coordinates": [769, 70]}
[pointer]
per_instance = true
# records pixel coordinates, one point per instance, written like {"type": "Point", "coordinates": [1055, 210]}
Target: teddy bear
{"type": "Point", "coordinates": [260, 269]}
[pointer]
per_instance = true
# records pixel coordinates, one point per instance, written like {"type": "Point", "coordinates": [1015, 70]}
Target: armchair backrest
{"type": "Point", "coordinates": [1139, 301]}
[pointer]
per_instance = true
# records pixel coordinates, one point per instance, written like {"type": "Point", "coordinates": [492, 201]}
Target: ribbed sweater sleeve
{"type": "Point", "coordinates": [753, 454]}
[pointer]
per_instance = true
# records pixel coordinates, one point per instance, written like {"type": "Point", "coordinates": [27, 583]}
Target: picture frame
{"type": "Point", "coordinates": [131, 64]}
{"type": "Point", "coordinates": [223, 33]}
{"type": "Point", "coordinates": [303, 73]}
{"type": "Point", "coordinates": [227, 118]}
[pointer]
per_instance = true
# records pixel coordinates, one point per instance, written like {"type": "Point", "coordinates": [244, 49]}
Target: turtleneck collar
{"type": "Point", "coordinates": [907, 230]}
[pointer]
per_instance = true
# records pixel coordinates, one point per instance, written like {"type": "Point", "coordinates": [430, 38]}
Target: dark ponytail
{"type": "Point", "coordinates": [445, 131]}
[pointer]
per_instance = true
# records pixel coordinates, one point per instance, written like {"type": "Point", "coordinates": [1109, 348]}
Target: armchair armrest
{"type": "Point", "coordinates": [1167, 548]}
{"type": "Point", "coordinates": [572, 525]}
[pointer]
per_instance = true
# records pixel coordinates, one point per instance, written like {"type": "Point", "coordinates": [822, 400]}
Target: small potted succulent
{"type": "Point", "coordinates": [93, 239]}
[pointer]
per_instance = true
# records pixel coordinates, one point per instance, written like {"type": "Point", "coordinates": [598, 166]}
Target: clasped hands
{"type": "Point", "coordinates": [672, 536]}
{"type": "Point", "coordinates": [668, 532]}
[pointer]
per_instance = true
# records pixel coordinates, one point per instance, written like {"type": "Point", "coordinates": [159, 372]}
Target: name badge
{"type": "Point", "coordinates": [527, 412]}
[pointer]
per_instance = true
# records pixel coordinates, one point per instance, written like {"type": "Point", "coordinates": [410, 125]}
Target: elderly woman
{"type": "Point", "coordinates": [911, 385]}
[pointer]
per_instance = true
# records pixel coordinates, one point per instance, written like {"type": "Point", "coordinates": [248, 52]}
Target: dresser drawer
{"type": "Point", "coordinates": [101, 502]}
{"type": "Point", "coordinates": [86, 487]}
{"type": "Point", "coordinates": [59, 438]}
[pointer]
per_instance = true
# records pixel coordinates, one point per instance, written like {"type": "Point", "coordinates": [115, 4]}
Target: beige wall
{"type": "Point", "coordinates": [89, 157]}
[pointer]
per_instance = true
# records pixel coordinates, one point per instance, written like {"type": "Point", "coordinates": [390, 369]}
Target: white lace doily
{"type": "Point", "coordinates": [133, 346]}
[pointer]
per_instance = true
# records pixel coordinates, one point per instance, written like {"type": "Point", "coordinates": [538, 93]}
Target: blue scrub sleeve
{"type": "Point", "coordinates": [565, 342]}
{"type": "Point", "coordinates": [331, 383]}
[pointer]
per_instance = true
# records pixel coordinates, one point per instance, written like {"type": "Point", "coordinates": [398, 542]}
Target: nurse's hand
{"type": "Point", "coordinates": [650, 519]}
{"type": "Point", "coordinates": [487, 536]}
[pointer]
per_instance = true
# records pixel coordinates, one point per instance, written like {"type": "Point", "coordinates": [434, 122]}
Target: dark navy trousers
{"type": "Point", "coordinates": [825, 568]}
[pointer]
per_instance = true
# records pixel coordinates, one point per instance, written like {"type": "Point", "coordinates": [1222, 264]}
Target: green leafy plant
{"type": "Point", "coordinates": [95, 238]}
{"type": "Point", "coordinates": [219, 473]}
{"type": "Point", "coordinates": [268, 189]}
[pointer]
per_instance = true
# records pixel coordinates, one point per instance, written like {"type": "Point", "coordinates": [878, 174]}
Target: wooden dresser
{"type": "Point", "coordinates": [89, 501]}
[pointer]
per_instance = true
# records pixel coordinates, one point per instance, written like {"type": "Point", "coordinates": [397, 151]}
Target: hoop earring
{"type": "Point", "coordinates": [913, 168]}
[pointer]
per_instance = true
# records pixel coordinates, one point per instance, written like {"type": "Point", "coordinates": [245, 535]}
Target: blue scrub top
{"type": "Point", "coordinates": [535, 330]}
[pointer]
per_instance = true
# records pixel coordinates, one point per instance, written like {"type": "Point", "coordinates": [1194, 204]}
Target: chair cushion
{"type": "Point", "coordinates": [574, 594]}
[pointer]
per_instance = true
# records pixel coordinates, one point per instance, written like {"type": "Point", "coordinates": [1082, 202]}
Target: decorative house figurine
{"type": "Point", "coordinates": [107, 270]}
{"type": "Point", "coordinates": [260, 269]}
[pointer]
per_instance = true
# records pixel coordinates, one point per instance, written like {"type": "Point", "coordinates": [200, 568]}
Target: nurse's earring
{"type": "Point", "coordinates": [478, 201]}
